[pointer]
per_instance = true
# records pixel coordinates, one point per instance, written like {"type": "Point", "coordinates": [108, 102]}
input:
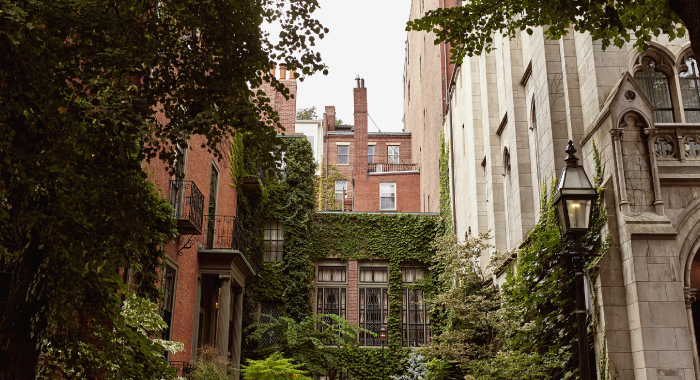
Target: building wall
{"type": "Point", "coordinates": [286, 108]}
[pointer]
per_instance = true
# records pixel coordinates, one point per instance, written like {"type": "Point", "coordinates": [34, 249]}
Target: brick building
{"type": "Point", "coordinates": [378, 169]}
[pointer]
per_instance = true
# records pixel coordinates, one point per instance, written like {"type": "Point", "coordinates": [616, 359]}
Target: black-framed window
{"type": "Point", "coordinates": [370, 154]}
{"type": "Point", "coordinates": [373, 312]}
{"type": "Point", "coordinates": [274, 240]}
{"type": "Point", "coordinates": [343, 154]}
{"type": "Point", "coordinates": [690, 91]}
{"type": "Point", "coordinates": [415, 318]}
{"type": "Point", "coordinates": [331, 273]}
{"type": "Point", "coordinates": [270, 311]}
{"type": "Point", "coordinates": [656, 87]}
{"type": "Point", "coordinates": [167, 304]}
{"type": "Point", "coordinates": [374, 274]}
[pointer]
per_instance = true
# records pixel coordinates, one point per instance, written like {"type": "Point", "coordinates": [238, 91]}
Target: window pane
{"type": "Point", "coordinates": [393, 153]}
{"type": "Point", "coordinates": [374, 274]}
{"type": "Point", "coordinates": [655, 86]}
{"type": "Point", "coordinates": [331, 274]}
{"type": "Point", "coordinates": [343, 154]}
{"type": "Point", "coordinates": [274, 240]}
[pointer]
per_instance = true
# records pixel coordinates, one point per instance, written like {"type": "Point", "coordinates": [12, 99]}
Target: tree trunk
{"type": "Point", "coordinates": [19, 353]}
{"type": "Point", "coordinates": [689, 12]}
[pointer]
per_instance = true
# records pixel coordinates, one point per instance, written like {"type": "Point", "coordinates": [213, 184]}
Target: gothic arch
{"type": "Point", "coordinates": [642, 120]}
{"type": "Point", "coordinates": [685, 52]}
{"type": "Point", "coordinates": [688, 227]}
{"type": "Point", "coordinates": [664, 58]}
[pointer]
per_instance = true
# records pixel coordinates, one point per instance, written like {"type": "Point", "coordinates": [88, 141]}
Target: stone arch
{"type": "Point", "coordinates": [688, 227]}
{"type": "Point", "coordinates": [663, 56]}
{"type": "Point", "coordinates": [685, 51]}
{"type": "Point", "coordinates": [642, 120]}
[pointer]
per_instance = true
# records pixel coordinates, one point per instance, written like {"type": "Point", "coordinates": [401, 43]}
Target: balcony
{"type": "Point", "coordinates": [391, 168]}
{"type": "Point", "coordinates": [225, 233]}
{"type": "Point", "coordinates": [676, 148]}
{"type": "Point", "coordinates": [188, 206]}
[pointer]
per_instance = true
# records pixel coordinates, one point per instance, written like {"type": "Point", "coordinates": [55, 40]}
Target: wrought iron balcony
{"type": "Point", "coordinates": [184, 369]}
{"type": "Point", "coordinates": [391, 167]}
{"type": "Point", "coordinates": [188, 206]}
{"type": "Point", "coordinates": [225, 233]}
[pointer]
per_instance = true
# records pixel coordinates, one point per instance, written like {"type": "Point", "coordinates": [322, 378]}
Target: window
{"type": "Point", "coordinates": [415, 320]}
{"type": "Point", "coordinates": [274, 240]}
{"type": "Point", "coordinates": [213, 195]}
{"type": "Point", "coordinates": [690, 91]}
{"type": "Point", "coordinates": [311, 141]}
{"type": "Point", "coordinates": [331, 293]}
{"type": "Point", "coordinates": [374, 308]}
{"type": "Point", "coordinates": [370, 154]}
{"type": "Point", "coordinates": [393, 154]}
{"type": "Point", "coordinates": [273, 311]}
{"type": "Point", "coordinates": [343, 154]}
{"type": "Point", "coordinates": [655, 86]}
{"type": "Point", "coordinates": [341, 188]}
{"type": "Point", "coordinates": [177, 186]}
{"type": "Point", "coordinates": [387, 196]}
{"type": "Point", "coordinates": [371, 274]}
{"type": "Point", "coordinates": [167, 303]}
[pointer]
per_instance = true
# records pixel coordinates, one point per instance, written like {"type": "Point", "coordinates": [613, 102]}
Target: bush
{"type": "Point", "coordinates": [211, 366]}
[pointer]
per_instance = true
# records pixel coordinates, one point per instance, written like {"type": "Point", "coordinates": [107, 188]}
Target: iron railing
{"type": "Point", "coordinates": [389, 167]}
{"type": "Point", "coordinates": [225, 232]}
{"type": "Point", "coordinates": [184, 369]}
{"type": "Point", "coordinates": [188, 206]}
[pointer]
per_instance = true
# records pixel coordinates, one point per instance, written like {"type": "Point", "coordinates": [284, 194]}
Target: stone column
{"type": "Point", "coordinates": [224, 315]}
{"type": "Point", "coordinates": [195, 324]}
{"type": "Point", "coordinates": [237, 332]}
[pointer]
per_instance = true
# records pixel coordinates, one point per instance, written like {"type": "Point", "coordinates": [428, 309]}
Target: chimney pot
{"type": "Point", "coordinates": [357, 81]}
{"type": "Point", "coordinates": [362, 81]}
{"type": "Point", "coordinates": [283, 71]}
{"type": "Point", "coordinates": [273, 69]}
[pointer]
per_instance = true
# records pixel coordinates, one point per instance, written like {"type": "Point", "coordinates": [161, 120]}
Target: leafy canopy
{"type": "Point", "coordinates": [307, 113]}
{"type": "Point", "coordinates": [470, 28]}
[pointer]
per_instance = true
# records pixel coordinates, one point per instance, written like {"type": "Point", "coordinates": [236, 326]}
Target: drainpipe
{"type": "Point", "coordinates": [325, 191]}
{"type": "Point", "coordinates": [452, 169]}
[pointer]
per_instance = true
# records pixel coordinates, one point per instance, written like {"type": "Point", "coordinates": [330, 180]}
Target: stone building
{"type": "Point", "coordinates": [509, 116]}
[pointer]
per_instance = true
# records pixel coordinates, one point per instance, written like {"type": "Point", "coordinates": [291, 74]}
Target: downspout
{"type": "Point", "coordinates": [325, 191]}
{"type": "Point", "coordinates": [452, 169]}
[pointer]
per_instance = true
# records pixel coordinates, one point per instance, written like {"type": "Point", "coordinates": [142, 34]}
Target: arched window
{"type": "Point", "coordinates": [690, 90]}
{"type": "Point", "coordinates": [655, 86]}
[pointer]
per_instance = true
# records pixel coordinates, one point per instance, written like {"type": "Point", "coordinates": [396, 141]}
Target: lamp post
{"type": "Point", "coordinates": [382, 337]}
{"type": "Point", "coordinates": [574, 202]}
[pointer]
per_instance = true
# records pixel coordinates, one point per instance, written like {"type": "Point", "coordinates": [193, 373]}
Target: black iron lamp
{"type": "Point", "coordinates": [575, 196]}
{"type": "Point", "coordinates": [574, 202]}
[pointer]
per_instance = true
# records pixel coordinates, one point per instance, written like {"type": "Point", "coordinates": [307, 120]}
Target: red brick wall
{"type": "Point", "coordinates": [352, 292]}
{"type": "Point", "coordinates": [199, 163]}
{"type": "Point", "coordinates": [407, 192]}
{"type": "Point", "coordinates": [286, 108]}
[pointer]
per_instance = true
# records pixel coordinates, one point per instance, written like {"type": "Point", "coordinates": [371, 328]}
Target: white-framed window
{"type": "Point", "coordinates": [387, 196]}
{"type": "Point", "coordinates": [343, 155]}
{"type": "Point", "coordinates": [393, 154]}
{"type": "Point", "coordinates": [341, 188]}
{"type": "Point", "coordinates": [370, 154]}
{"type": "Point", "coordinates": [274, 240]}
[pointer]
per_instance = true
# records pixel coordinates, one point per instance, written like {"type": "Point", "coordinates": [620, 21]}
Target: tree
{"type": "Point", "coordinates": [274, 367]}
{"type": "Point", "coordinates": [338, 122]}
{"type": "Point", "coordinates": [88, 91]}
{"type": "Point", "coordinates": [307, 113]}
{"type": "Point", "coordinates": [470, 28]}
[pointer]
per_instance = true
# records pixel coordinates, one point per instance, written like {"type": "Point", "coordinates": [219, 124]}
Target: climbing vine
{"type": "Point", "coordinates": [325, 187]}
{"type": "Point", "coordinates": [445, 200]}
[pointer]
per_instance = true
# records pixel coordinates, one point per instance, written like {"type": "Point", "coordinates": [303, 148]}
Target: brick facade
{"type": "Point", "coordinates": [286, 108]}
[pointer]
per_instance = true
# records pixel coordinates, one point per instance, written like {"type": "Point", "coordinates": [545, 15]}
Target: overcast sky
{"type": "Point", "coordinates": [366, 38]}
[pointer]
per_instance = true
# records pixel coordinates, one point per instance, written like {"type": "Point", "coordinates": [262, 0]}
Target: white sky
{"type": "Point", "coordinates": [367, 37]}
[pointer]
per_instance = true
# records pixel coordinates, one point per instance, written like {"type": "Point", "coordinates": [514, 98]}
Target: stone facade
{"type": "Point", "coordinates": [509, 115]}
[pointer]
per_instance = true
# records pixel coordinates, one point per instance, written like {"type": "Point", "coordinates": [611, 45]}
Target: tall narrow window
{"type": "Point", "coordinates": [213, 195]}
{"type": "Point", "coordinates": [690, 90]}
{"type": "Point", "coordinates": [370, 154]}
{"type": "Point", "coordinates": [373, 303]}
{"type": "Point", "coordinates": [415, 320]}
{"type": "Point", "coordinates": [331, 292]}
{"type": "Point", "coordinates": [341, 188]}
{"type": "Point", "coordinates": [655, 86]}
{"type": "Point", "coordinates": [387, 196]}
{"type": "Point", "coordinates": [167, 303]}
{"type": "Point", "coordinates": [343, 154]}
{"type": "Point", "coordinates": [270, 311]}
{"type": "Point", "coordinates": [177, 186]}
{"type": "Point", "coordinates": [393, 154]}
{"type": "Point", "coordinates": [274, 240]}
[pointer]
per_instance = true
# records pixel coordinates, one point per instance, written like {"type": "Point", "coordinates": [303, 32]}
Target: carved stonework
{"type": "Point", "coordinates": [637, 167]}
{"type": "Point", "coordinates": [665, 146]}
{"type": "Point", "coordinates": [630, 95]}
{"type": "Point", "coordinates": [690, 295]}
{"type": "Point", "coordinates": [691, 147]}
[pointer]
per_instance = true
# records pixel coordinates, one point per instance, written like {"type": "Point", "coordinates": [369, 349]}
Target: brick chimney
{"type": "Point", "coordinates": [283, 71]}
{"type": "Point", "coordinates": [329, 118]}
{"type": "Point", "coordinates": [360, 138]}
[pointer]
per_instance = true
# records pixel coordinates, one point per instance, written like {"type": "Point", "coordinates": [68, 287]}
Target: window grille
{"type": "Point", "coordinates": [343, 154]}
{"type": "Point", "coordinates": [370, 154]}
{"type": "Point", "coordinates": [274, 240]}
{"type": "Point", "coordinates": [374, 308]}
{"type": "Point", "coordinates": [331, 301]}
{"type": "Point", "coordinates": [273, 311]}
{"type": "Point", "coordinates": [690, 91]}
{"type": "Point", "coordinates": [415, 319]}
{"type": "Point", "coordinates": [331, 274]}
{"type": "Point", "coordinates": [166, 304]}
{"type": "Point", "coordinates": [387, 196]}
{"type": "Point", "coordinates": [370, 274]}
{"type": "Point", "coordinates": [393, 154]}
{"type": "Point", "coordinates": [655, 86]}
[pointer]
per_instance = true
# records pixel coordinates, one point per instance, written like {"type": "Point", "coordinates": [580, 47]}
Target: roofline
{"type": "Point", "coordinates": [378, 212]}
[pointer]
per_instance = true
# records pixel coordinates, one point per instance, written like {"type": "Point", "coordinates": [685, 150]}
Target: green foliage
{"type": "Point", "coordinates": [470, 28]}
{"type": "Point", "coordinates": [445, 201]}
{"type": "Point", "coordinates": [416, 369]}
{"type": "Point", "coordinates": [305, 341]}
{"type": "Point", "coordinates": [338, 122]}
{"type": "Point", "coordinates": [275, 367]}
{"type": "Point", "coordinates": [325, 187]}
{"type": "Point", "coordinates": [509, 365]}
{"type": "Point", "coordinates": [211, 366]}
{"type": "Point", "coordinates": [307, 113]}
{"type": "Point", "coordinates": [438, 369]}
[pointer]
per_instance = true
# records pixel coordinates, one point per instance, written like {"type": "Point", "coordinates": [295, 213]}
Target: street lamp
{"type": "Point", "coordinates": [574, 202]}
{"type": "Point", "coordinates": [382, 337]}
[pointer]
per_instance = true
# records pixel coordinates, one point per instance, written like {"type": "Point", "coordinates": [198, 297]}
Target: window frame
{"type": "Point", "coordinates": [395, 196]}
{"type": "Point", "coordinates": [321, 286]}
{"type": "Point", "coordinates": [407, 290]}
{"type": "Point", "coordinates": [276, 254]}
{"type": "Point", "coordinates": [346, 155]}
{"type": "Point", "coordinates": [370, 157]}
{"type": "Point", "coordinates": [395, 156]}
{"type": "Point", "coordinates": [683, 68]}
{"type": "Point", "coordinates": [167, 333]}
{"type": "Point", "coordinates": [344, 188]}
